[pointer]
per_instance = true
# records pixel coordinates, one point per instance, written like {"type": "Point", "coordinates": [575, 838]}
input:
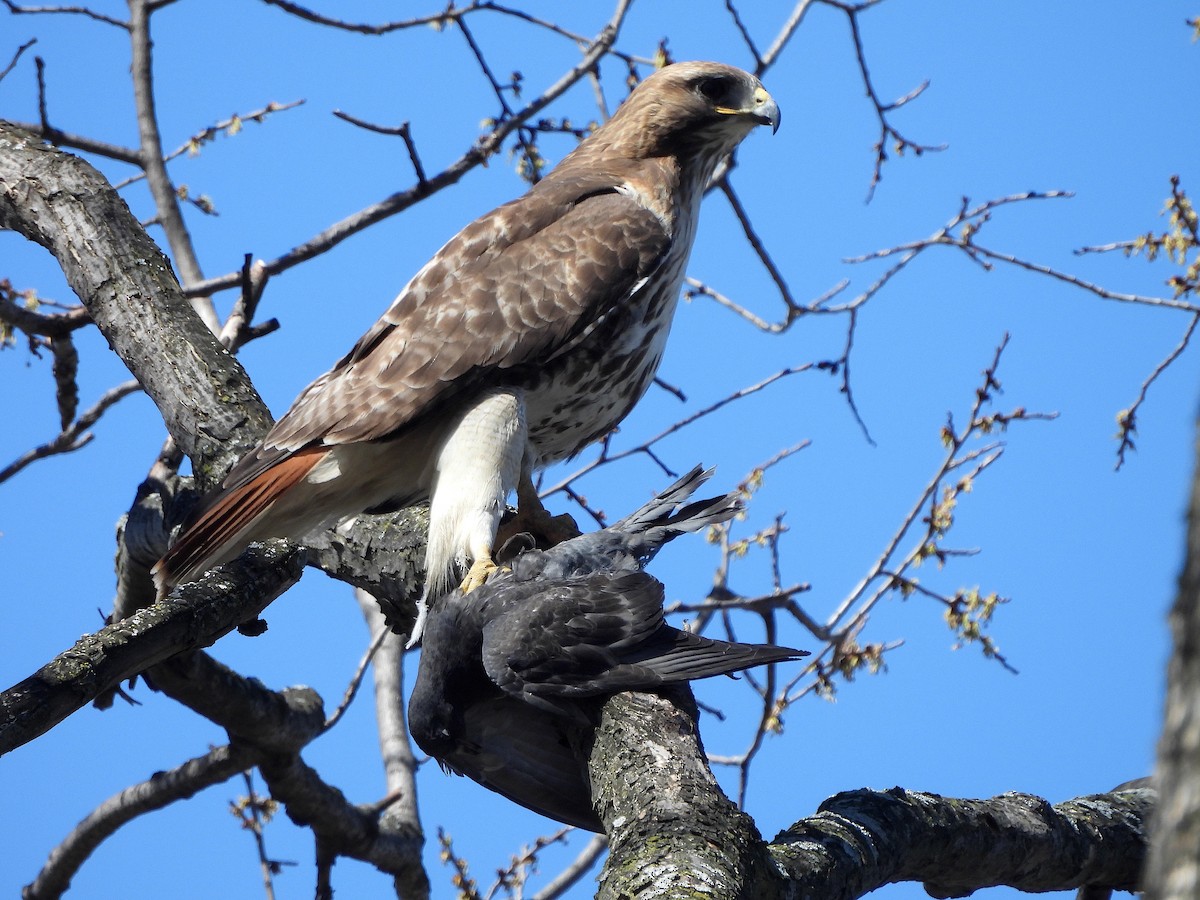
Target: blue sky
{"type": "Point", "coordinates": [1027, 96]}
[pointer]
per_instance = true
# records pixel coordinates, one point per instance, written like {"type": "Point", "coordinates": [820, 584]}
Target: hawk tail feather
{"type": "Point", "coordinates": [219, 531]}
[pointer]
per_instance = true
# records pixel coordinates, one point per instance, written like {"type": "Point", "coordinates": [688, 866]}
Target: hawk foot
{"type": "Point", "coordinates": [546, 530]}
{"type": "Point", "coordinates": [478, 574]}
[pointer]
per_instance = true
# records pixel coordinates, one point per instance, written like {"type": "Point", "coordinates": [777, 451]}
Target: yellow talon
{"type": "Point", "coordinates": [478, 574]}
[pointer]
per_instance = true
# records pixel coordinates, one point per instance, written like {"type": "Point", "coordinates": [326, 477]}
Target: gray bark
{"type": "Point", "coordinates": [99, 662]}
{"type": "Point", "coordinates": [673, 833]}
{"type": "Point", "coordinates": [1173, 870]}
{"type": "Point", "coordinates": [128, 288]}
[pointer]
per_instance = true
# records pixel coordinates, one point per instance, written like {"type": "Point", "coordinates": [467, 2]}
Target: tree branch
{"type": "Point", "coordinates": [210, 609]}
{"type": "Point", "coordinates": [153, 163]}
{"type": "Point", "coordinates": [126, 284]}
{"type": "Point", "coordinates": [218, 765]}
{"type": "Point", "coordinates": [862, 840]}
{"type": "Point", "coordinates": [671, 830]}
{"type": "Point", "coordinates": [74, 434]}
{"type": "Point", "coordinates": [479, 154]}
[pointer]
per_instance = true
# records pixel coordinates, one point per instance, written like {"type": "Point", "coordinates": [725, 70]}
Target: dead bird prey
{"type": "Point", "coordinates": [510, 674]}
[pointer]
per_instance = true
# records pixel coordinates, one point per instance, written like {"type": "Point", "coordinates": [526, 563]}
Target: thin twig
{"type": "Point", "coordinates": [438, 19]}
{"type": "Point", "coordinates": [483, 149]}
{"type": "Point", "coordinates": [73, 436]}
{"type": "Point", "coordinates": [580, 866]}
{"type": "Point", "coordinates": [16, 56]}
{"type": "Point", "coordinates": [646, 447]}
{"type": "Point", "coordinates": [794, 310]}
{"type": "Point", "coordinates": [232, 125]}
{"type": "Point", "coordinates": [744, 32]}
{"type": "Point", "coordinates": [403, 130]}
{"type": "Point", "coordinates": [357, 679]}
{"type": "Point", "coordinates": [90, 13]}
{"type": "Point", "coordinates": [1127, 418]}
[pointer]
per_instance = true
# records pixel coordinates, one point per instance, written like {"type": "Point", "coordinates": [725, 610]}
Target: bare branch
{"type": "Point", "coordinates": [17, 9]}
{"type": "Point", "coordinates": [438, 19]}
{"type": "Point", "coordinates": [62, 203]}
{"type": "Point", "coordinates": [16, 57]}
{"type": "Point", "coordinates": [580, 866]}
{"type": "Point", "coordinates": [218, 765]}
{"type": "Point", "coordinates": [785, 35]}
{"type": "Point", "coordinates": [61, 138]}
{"type": "Point", "coordinates": [229, 126]}
{"type": "Point", "coordinates": [338, 824]}
{"type": "Point", "coordinates": [1127, 418]}
{"type": "Point", "coordinates": [403, 130]}
{"type": "Point", "coordinates": [32, 321]}
{"type": "Point", "coordinates": [401, 815]}
{"type": "Point", "coordinates": [166, 199]}
{"type": "Point", "coordinates": [865, 839]}
{"type": "Point", "coordinates": [254, 811]}
{"type": "Point", "coordinates": [886, 129]}
{"type": "Point", "coordinates": [794, 310]}
{"type": "Point", "coordinates": [483, 149]}
{"type": "Point", "coordinates": [646, 447]}
{"type": "Point", "coordinates": [65, 368]}
{"type": "Point", "coordinates": [75, 435]}
{"type": "Point", "coordinates": [745, 33]}
{"type": "Point", "coordinates": [967, 612]}
{"type": "Point", "coordinates": [512, 878]}
{"type": "Point", "coordinates": [209, 609]}
{"type": "Point", "coordinates": [356, 680]}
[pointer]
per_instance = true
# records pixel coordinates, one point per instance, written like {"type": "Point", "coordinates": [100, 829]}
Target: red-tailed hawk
{"type": "Point", "coordinates": [529, 335]}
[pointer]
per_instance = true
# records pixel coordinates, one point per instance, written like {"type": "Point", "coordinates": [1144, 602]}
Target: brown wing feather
{"type": "Point", "coordinates": [229, 512]}
{"type": "Point", "coordinates": [494, 298]}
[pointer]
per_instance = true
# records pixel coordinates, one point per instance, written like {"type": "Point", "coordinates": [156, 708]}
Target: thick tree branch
{"type": "Point", "coordinates": [383, 555]}
{"type": "Point", "coordinates": [126, 284]}
{"type": "Point", "coordinates": [701, 839]}
{"type": "Point", "coordinates": [274, 721]}
{"type": "Point", "coordinates": [1173, 872]}
{"type": "Point", "coordinates": [862, 840]}
{"type": "Point", "coordinates": [671, 830]}
{"type": "Point", "coordinates": [211, 608]}
{"type": "Point", "coordinates": [279, 724]}
{"type": "Point", "coordinates": [51, 325]}
{"type": "Point", "coordinates": [343, 828]}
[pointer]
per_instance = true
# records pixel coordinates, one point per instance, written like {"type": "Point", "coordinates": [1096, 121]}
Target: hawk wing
{"type": "Point", "coordinates": [513, 289]}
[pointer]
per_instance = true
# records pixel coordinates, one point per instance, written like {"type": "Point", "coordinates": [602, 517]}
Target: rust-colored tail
{"type": "Point", "coordinates": [224, 525]}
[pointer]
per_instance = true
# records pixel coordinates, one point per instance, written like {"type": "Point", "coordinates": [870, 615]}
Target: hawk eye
{"type": "Point", "coordinates": [713, 88]}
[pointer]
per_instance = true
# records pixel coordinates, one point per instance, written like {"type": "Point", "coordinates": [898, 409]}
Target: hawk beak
{"type": "Point", "coordinates": [763, 109]}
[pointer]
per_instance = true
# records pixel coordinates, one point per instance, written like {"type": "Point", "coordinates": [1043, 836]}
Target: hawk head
{"type": "Point", "coordinates": [688, 110]}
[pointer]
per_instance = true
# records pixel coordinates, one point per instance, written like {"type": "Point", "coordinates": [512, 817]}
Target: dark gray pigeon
{"type": "Point", "coordinates": [512, 675]}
